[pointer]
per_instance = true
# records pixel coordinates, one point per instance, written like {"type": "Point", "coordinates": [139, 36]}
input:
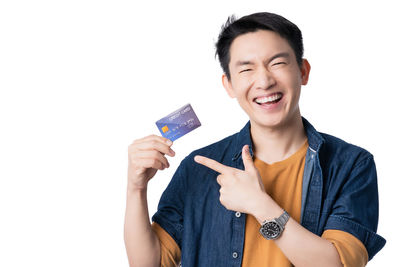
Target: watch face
{"type": "Point", "coordinates": [271, 230]}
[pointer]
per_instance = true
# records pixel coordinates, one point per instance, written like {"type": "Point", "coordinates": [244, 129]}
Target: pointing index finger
{"type": "Point", "coordinates": [212, 164]}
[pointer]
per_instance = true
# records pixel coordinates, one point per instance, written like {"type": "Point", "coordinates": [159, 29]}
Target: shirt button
{"type": "Point", "coordinates": [238, 214]}
{"type": "Point", "coordinates": [234, 255]}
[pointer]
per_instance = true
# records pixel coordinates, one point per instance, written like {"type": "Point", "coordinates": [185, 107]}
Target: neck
{"type": "Point", "coordinates": [276, 144]}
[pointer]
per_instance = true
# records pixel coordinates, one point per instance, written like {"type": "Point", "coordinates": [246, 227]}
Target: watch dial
{"type": "Point", "coordinates": [271, 230]}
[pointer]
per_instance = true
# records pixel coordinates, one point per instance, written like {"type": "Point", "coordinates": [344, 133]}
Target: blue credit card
{"type": "Point", "coordinates": [178, 123]}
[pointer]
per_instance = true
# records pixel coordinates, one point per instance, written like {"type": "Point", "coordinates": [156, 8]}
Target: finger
{"type": "Point", "coordinates": [154, 137]}
{"type": "Point", "coordinates": [212, 164]}
{"type": "Point", "coordinates": [146, 163]}
{"type": "Point", "coordinates": [151, 163]}
{"type": "Point", "coordinates": [247, 159]}
{"type": "Point", "coordinates": [155, 144]}
{"type": "Point", "coordinates": [219, 180]}
{"type": "Point", "coordinates": [152, 154]}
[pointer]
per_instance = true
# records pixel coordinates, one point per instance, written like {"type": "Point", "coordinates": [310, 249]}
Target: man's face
{"type": "Point", "coordinates": [265, 78]}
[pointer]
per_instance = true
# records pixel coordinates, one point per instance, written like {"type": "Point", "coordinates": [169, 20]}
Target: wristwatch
{"type": "Point", "coordinates": [273, 229]}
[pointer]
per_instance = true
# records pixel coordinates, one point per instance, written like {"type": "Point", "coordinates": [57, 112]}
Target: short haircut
{"type": "Point", "coordinates": [252, 23]}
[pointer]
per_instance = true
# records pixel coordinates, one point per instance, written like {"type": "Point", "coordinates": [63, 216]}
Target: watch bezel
{"type": "Point", "coordinates": [271, 226]}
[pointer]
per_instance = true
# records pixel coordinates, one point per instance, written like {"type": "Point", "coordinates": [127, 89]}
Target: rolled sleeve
{"type": "Point", "coordinates": [170, 252]}
{"type": "Point", "coordinates": [356, 209]}
{"type": "Point", "coordinates": [351, 251]}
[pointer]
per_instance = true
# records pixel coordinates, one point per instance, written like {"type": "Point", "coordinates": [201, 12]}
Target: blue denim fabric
{"type": "Point", "coordinates": [339, 192]}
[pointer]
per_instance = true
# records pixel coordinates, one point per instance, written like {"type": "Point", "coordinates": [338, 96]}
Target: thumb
{"type": "Point", "coordinates": [247, 159]}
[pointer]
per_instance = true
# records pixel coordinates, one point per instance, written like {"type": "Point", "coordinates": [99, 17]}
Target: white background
{"type": "Point", "coordinates": [80, 80]}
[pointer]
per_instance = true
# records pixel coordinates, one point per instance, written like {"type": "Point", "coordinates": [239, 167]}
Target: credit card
{"type": "Point", "coordinates": [178, 123]}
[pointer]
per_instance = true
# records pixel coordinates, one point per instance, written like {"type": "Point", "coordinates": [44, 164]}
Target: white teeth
{"type": "Point", "coordinates": [263, 100]}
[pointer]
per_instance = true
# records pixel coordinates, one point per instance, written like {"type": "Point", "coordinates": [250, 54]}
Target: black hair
{"type": "Point", "coordinates": [254, 22]}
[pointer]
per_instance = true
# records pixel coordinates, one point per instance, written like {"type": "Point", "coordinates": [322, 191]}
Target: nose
{"type": "Point", "coordinates": [264, 79]}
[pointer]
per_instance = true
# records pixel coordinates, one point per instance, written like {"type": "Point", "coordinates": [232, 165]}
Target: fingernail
{"type": "Point", "coordinates": [169, 142]}
{"type": "Point", "coordinates": [172, 152]}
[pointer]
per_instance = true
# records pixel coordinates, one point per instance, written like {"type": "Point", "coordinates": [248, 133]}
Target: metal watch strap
{"type": "Point", "coordinates": [283, 219]}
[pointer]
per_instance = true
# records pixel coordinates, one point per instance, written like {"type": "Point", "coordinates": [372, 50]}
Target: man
{"type": "Point", "coordinates": [277, 193]}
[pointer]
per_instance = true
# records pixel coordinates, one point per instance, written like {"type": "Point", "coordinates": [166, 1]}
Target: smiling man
{"type": "Point", "coordinates": [277, 193]}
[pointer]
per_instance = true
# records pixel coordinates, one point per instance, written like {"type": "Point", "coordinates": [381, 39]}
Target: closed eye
{"type": "Point", "coordinates": [279, 63]}
{"type": "Point", "coordinates": [245, 70]}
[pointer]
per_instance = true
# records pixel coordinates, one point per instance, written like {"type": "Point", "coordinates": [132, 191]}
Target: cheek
{"type": "Point", "coordinates": [291, 82]}
{"type": "Point", "coordinates": [241, 85]}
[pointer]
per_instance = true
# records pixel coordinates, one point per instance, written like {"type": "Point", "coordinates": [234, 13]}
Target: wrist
{"type": "Point", "coordinates": [266, 209]}
{"type": "Point", "coordinates": [135, 189]}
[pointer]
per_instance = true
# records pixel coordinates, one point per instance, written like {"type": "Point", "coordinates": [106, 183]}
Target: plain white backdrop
{"type": "Point", "coordinates": [80, 80]}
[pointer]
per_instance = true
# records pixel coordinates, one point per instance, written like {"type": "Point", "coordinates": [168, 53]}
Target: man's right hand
{"type": "Point", "coordinates": [145, 157]}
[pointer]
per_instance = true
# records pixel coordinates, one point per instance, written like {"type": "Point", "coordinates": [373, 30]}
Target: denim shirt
{"type": "Point", "coordinates": [339, 192]}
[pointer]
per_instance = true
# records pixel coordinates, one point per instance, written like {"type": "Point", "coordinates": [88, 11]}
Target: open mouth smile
{"type": "Point", "coordinates": [269, 100]}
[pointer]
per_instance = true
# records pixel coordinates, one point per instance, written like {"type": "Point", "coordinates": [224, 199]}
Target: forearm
{"type": "Point", "coordinates": [304, 248]}
{"type": "Point", "coordinates": [142, 244]}
{"type": "Point", "coordinates": [300, 246]}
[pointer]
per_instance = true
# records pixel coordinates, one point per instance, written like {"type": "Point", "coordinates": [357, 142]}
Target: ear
{"type": "Point", "coordinates": [305, 71]}
{"type": "Point", "coordinates": [228, 86]}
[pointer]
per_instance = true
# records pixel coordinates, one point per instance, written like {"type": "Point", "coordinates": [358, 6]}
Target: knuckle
{"type": "Point", "coordinates": [155, 137]}
{"type": "Point", "coordinates": [132, 153]}
{"type": "Point", "coordinates": [154, 153]}
{"type": "Point", "coordinates": [132, 149]}
{"type": "Point", "coordinates": [133, 161]}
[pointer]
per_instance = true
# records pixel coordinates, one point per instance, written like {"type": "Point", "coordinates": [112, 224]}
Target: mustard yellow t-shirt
{"type": "Point", "coordinates": [283, 182]}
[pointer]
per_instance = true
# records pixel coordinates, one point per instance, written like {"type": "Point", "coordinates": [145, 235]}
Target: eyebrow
{"type": "Point", "coordinates": [247, 62]}
{"type": "Point", "coordinates": [242, 63]}
{"type": "Point", "coordinates": [283, 54]}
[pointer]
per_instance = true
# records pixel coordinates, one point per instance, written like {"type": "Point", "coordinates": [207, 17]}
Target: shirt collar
{"type": "Point", "coordinates": [315, 140]}
{"type": "Point", "coordinates": [242, 138]}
